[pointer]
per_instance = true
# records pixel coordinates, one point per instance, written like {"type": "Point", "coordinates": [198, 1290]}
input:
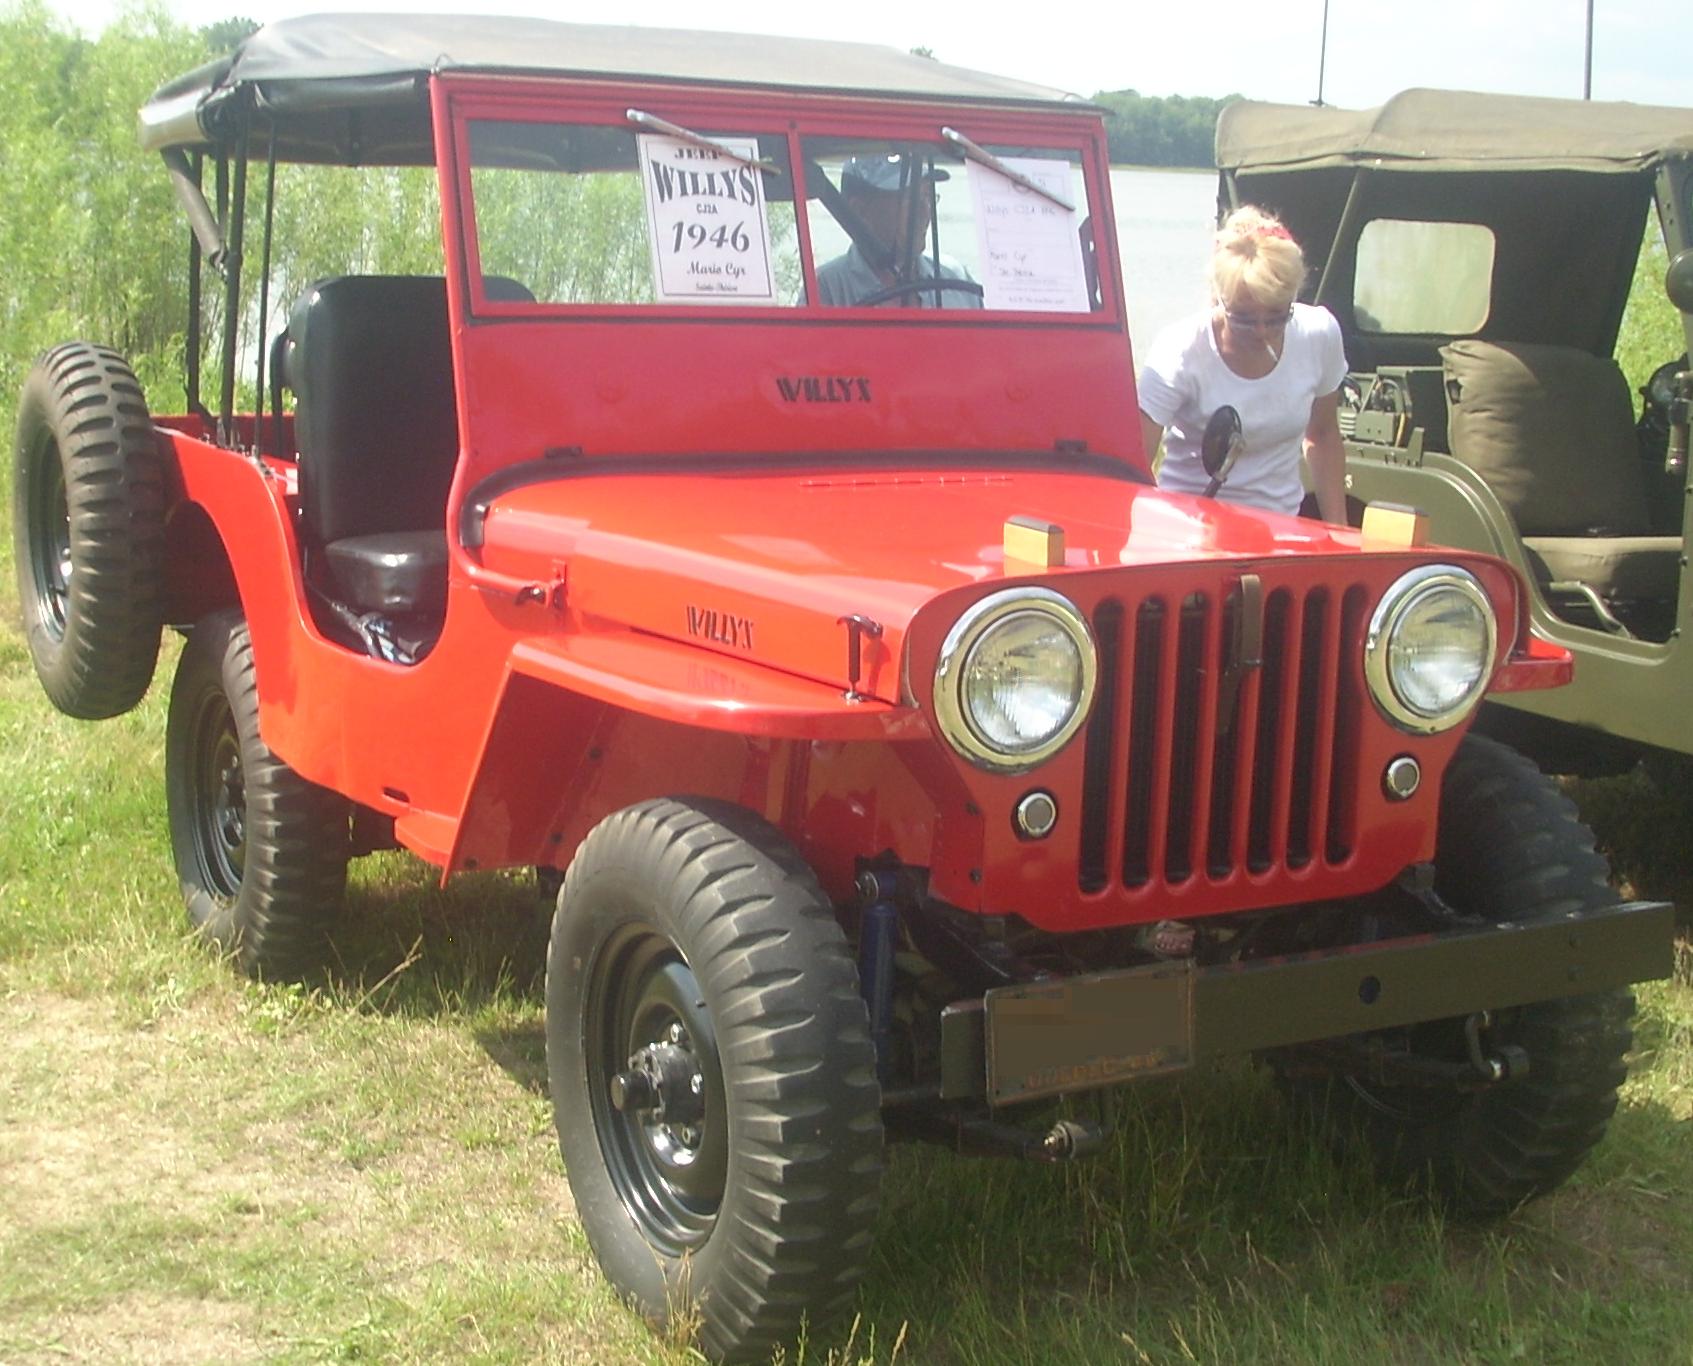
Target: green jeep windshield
{"type": "Point", "coordinates": [609, 214]}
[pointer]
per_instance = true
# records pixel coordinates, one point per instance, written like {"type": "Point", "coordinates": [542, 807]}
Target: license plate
{"type": "Point", "coordinates": [1044, 1038]}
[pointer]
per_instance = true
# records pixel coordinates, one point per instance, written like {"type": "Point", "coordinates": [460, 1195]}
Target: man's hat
{"type": "Point", "coordinates": [886, 171]}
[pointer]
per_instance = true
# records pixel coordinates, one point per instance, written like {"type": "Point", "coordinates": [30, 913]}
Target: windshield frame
{"type": "Point", "coordinates": [463, 100]}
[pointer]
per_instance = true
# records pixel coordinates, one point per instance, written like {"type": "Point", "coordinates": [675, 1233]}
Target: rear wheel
{"type": "Point", "coordinates": [88, 526]}
{"type": "Point", "coordinates": [1510, 848]}
{"type": "Point", "coordinates": [261, 853]}
{"type": "Point", "coordinates": [712, 1075]}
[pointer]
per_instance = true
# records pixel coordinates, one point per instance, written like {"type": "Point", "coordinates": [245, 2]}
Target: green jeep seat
{"type": "Point", "coordinates": [1551, 431]}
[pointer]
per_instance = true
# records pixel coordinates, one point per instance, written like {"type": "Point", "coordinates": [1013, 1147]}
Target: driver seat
{"type": "Point", "coordinates": [376, 417]}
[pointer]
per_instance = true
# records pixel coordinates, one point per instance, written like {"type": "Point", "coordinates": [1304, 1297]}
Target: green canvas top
{"type": "Point", "coordinates": [1452, 130]}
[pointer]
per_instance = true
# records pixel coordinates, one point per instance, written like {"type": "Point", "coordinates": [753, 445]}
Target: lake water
{"type": "Point", "coordinates": [1165, 220]}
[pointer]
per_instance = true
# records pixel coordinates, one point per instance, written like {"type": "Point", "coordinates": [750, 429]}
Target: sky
{"type": "Point", "coordinates": [1177, 47]}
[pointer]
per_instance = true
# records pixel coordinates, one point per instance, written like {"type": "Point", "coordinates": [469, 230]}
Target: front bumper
{"type": "Point", "coordinates": [1044, 1038]}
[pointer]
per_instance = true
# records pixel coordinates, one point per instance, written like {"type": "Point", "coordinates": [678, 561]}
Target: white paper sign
{"type": "Point", "coordinates": [1030, 248]}
{"type": "Point", "coordinates": [706, 218]}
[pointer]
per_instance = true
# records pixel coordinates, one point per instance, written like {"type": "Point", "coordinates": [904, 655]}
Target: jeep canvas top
{"type": "Point", "coordinates": [749, 529]}
{"type": "Point", "coordinates": [1479, 252]}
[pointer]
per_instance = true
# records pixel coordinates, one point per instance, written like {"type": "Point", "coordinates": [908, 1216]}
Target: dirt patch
{"type": "Point", "coordinates": [148, 1328]}
{"type": "Point", "coordinates": [356, 1163]}
{"type": "Point", "coordinates": [1613, 1243]}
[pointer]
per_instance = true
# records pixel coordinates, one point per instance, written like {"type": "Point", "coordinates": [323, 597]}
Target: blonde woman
{"type": "Point", "coordinates": [1279, 363]}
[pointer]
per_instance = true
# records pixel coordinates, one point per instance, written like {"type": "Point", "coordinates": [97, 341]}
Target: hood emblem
{"type": "Point", "coordinates": [824, 388]}
{"type": "Point", "coordinates": [725, 628]}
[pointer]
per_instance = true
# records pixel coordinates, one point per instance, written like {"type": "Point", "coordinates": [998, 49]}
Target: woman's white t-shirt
{"type": "Point", "coordinates": [1184, 379]}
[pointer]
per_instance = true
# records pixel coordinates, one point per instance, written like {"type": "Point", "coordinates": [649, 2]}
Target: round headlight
{"type": "Point", "coordinates": [1015, 678]}
{"type": "Point", "coordinates": [1430, 648]}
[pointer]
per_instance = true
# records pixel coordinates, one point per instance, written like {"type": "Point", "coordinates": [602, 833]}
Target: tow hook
{"type": "Point", "coordinates": [1068, 1139]}
{"type": "Point", "coordinates": [1504, 1063]}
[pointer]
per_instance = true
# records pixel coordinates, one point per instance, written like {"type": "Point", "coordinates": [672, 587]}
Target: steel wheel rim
{"type": "Point", "coordinates": [50, 542]}
{"type": "Point", "coordinates": [669, 1177]}
{"type": "Point", "coordinates": [220, 800]}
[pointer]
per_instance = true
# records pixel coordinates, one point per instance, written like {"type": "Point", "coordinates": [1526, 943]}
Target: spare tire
{"type": "Point", "coordinates": [88, 507]}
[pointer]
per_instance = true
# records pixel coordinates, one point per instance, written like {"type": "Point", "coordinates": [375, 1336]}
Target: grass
{"type": "Point", "coordinates": [197, 1168]}
{"type": "Point", "coordinates": [1651, 327]}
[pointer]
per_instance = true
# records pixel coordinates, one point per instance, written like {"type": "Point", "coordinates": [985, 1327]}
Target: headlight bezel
{"type": "Point", "coordinates": [981, 617]}
{"type": "Point", "coordinates": [1404, 593]}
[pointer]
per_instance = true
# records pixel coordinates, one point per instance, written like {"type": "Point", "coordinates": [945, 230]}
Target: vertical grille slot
{"type": "Point", "coordinates": [1267, 739]}
{"type": "Point", "coordinates": [1145, 679]}
{"type": "Point", "coordinates": [1101, 762]}
{"type": "Point", "coordinates": [1186, 741]}
{"type": "Point", "coordinates": [1348, 725]}
{"type": "Point", "coordinates": [1310, 772]}
{"type": "Point", "coordinates": [1229, 710]}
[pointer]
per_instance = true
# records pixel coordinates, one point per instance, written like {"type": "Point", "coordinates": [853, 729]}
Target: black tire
{"type": "Point", "coordinates": [1511, 848]}
{"type": "Point", "coordinates": [261, 852]}
{"type": "Point", "coordinates": [691, 934]}
{"type": "Point", "coordinates": [88, 525]}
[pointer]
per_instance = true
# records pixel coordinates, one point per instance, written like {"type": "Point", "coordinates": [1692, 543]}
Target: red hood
{"type": "Point", "coordinates": [764, 565]}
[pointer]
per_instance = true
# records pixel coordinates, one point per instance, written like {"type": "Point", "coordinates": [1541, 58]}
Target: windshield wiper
{"type": "Point", "coordinates": [641, 119]}
{"type": "Point", "coordinates": [993, 163]}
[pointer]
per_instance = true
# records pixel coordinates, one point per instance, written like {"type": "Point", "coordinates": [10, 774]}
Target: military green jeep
{"type": "Point", "coordinates": [1478, 251]}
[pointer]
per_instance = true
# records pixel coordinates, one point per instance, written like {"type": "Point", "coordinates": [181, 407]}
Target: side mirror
{"type": "Point", "coordinates": [1678, 280]}
{"type": "Point", "coordinates": [1220, 447]}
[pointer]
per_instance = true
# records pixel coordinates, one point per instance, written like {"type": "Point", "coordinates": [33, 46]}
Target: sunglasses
{"type": "Point", "coordinates": [1259, 322]}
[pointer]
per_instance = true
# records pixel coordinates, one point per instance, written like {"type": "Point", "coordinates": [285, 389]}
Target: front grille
{"type": "Point", "coordinates": [1199, 763]}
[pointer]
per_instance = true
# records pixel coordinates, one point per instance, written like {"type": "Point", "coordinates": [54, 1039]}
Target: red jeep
{"type": "Point", "coordinates": [752, 525]}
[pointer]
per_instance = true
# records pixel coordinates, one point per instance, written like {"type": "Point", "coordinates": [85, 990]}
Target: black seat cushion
{"type": "Point", "coordinates": [370, 362]}
{"type": "Point", "coordinates": [395, 572]}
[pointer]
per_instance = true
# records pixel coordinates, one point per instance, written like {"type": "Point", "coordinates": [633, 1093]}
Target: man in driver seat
{"type": "Point", "coordinates": [894, 214]}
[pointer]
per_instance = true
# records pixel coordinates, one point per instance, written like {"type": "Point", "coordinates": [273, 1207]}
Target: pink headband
{"type": "Point", "coordinates": [1273, 230]}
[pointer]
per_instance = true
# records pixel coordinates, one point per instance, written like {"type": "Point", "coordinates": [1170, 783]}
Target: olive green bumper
{"type": "Point", "coordinates": [1043, 1038]}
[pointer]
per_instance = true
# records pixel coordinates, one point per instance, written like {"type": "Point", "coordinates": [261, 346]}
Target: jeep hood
{"type": "Point", "coordinates": [764, 566]}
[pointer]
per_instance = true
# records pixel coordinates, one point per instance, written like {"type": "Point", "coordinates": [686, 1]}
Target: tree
{"type": "Point", "coordinates": [1151, 130]}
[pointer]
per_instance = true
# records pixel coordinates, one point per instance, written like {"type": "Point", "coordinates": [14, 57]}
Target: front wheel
{"type": "Point", "coordinates": [1510, 848]}
{"type": "Point", "coordinates": [261, 853]}
{"type": "Point", "coordinates": [712, 1075]}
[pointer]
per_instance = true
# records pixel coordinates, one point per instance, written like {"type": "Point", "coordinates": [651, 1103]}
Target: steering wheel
{"type": "Point", "coordinates": [905, 287]}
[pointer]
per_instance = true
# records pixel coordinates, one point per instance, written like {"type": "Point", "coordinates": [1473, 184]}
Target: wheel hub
{"type": "Point", "coordinates": [229, 806]}
{"type": "Point", "coordinates": [657, 1089]}
{"type": "Point", "coordinates": [220, 801]}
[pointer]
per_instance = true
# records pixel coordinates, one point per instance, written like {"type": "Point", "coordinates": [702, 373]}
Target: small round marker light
{"type": "Point", "coordinates": [1402, 778]}
{"type": "Point", "coordinates": [1036, 814]}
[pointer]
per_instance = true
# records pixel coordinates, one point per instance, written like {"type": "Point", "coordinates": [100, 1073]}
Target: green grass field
{"type": "Point", "coordinates": [197, 1169]}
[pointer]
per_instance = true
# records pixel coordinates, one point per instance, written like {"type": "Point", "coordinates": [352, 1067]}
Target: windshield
{"type": "Point", "coordinates": [641, 211]}
{"type": "Point", "coordinates": [915, 224]}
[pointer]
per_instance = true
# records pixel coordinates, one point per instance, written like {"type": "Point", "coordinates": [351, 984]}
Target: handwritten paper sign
{"type": "Point", "coordinates": [1031, 252]}
{"type": "Point", "coordinates": [706, 219]}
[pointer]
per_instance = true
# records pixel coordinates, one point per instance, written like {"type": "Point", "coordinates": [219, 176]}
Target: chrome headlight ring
{"type": "Point", "coordinates": [1410, 591]}
{"type": "Point", "coordinates": [1009, 609]}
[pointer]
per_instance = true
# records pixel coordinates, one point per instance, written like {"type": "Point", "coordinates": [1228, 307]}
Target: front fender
{"type": "Point", "coordinates": [537, 783]}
